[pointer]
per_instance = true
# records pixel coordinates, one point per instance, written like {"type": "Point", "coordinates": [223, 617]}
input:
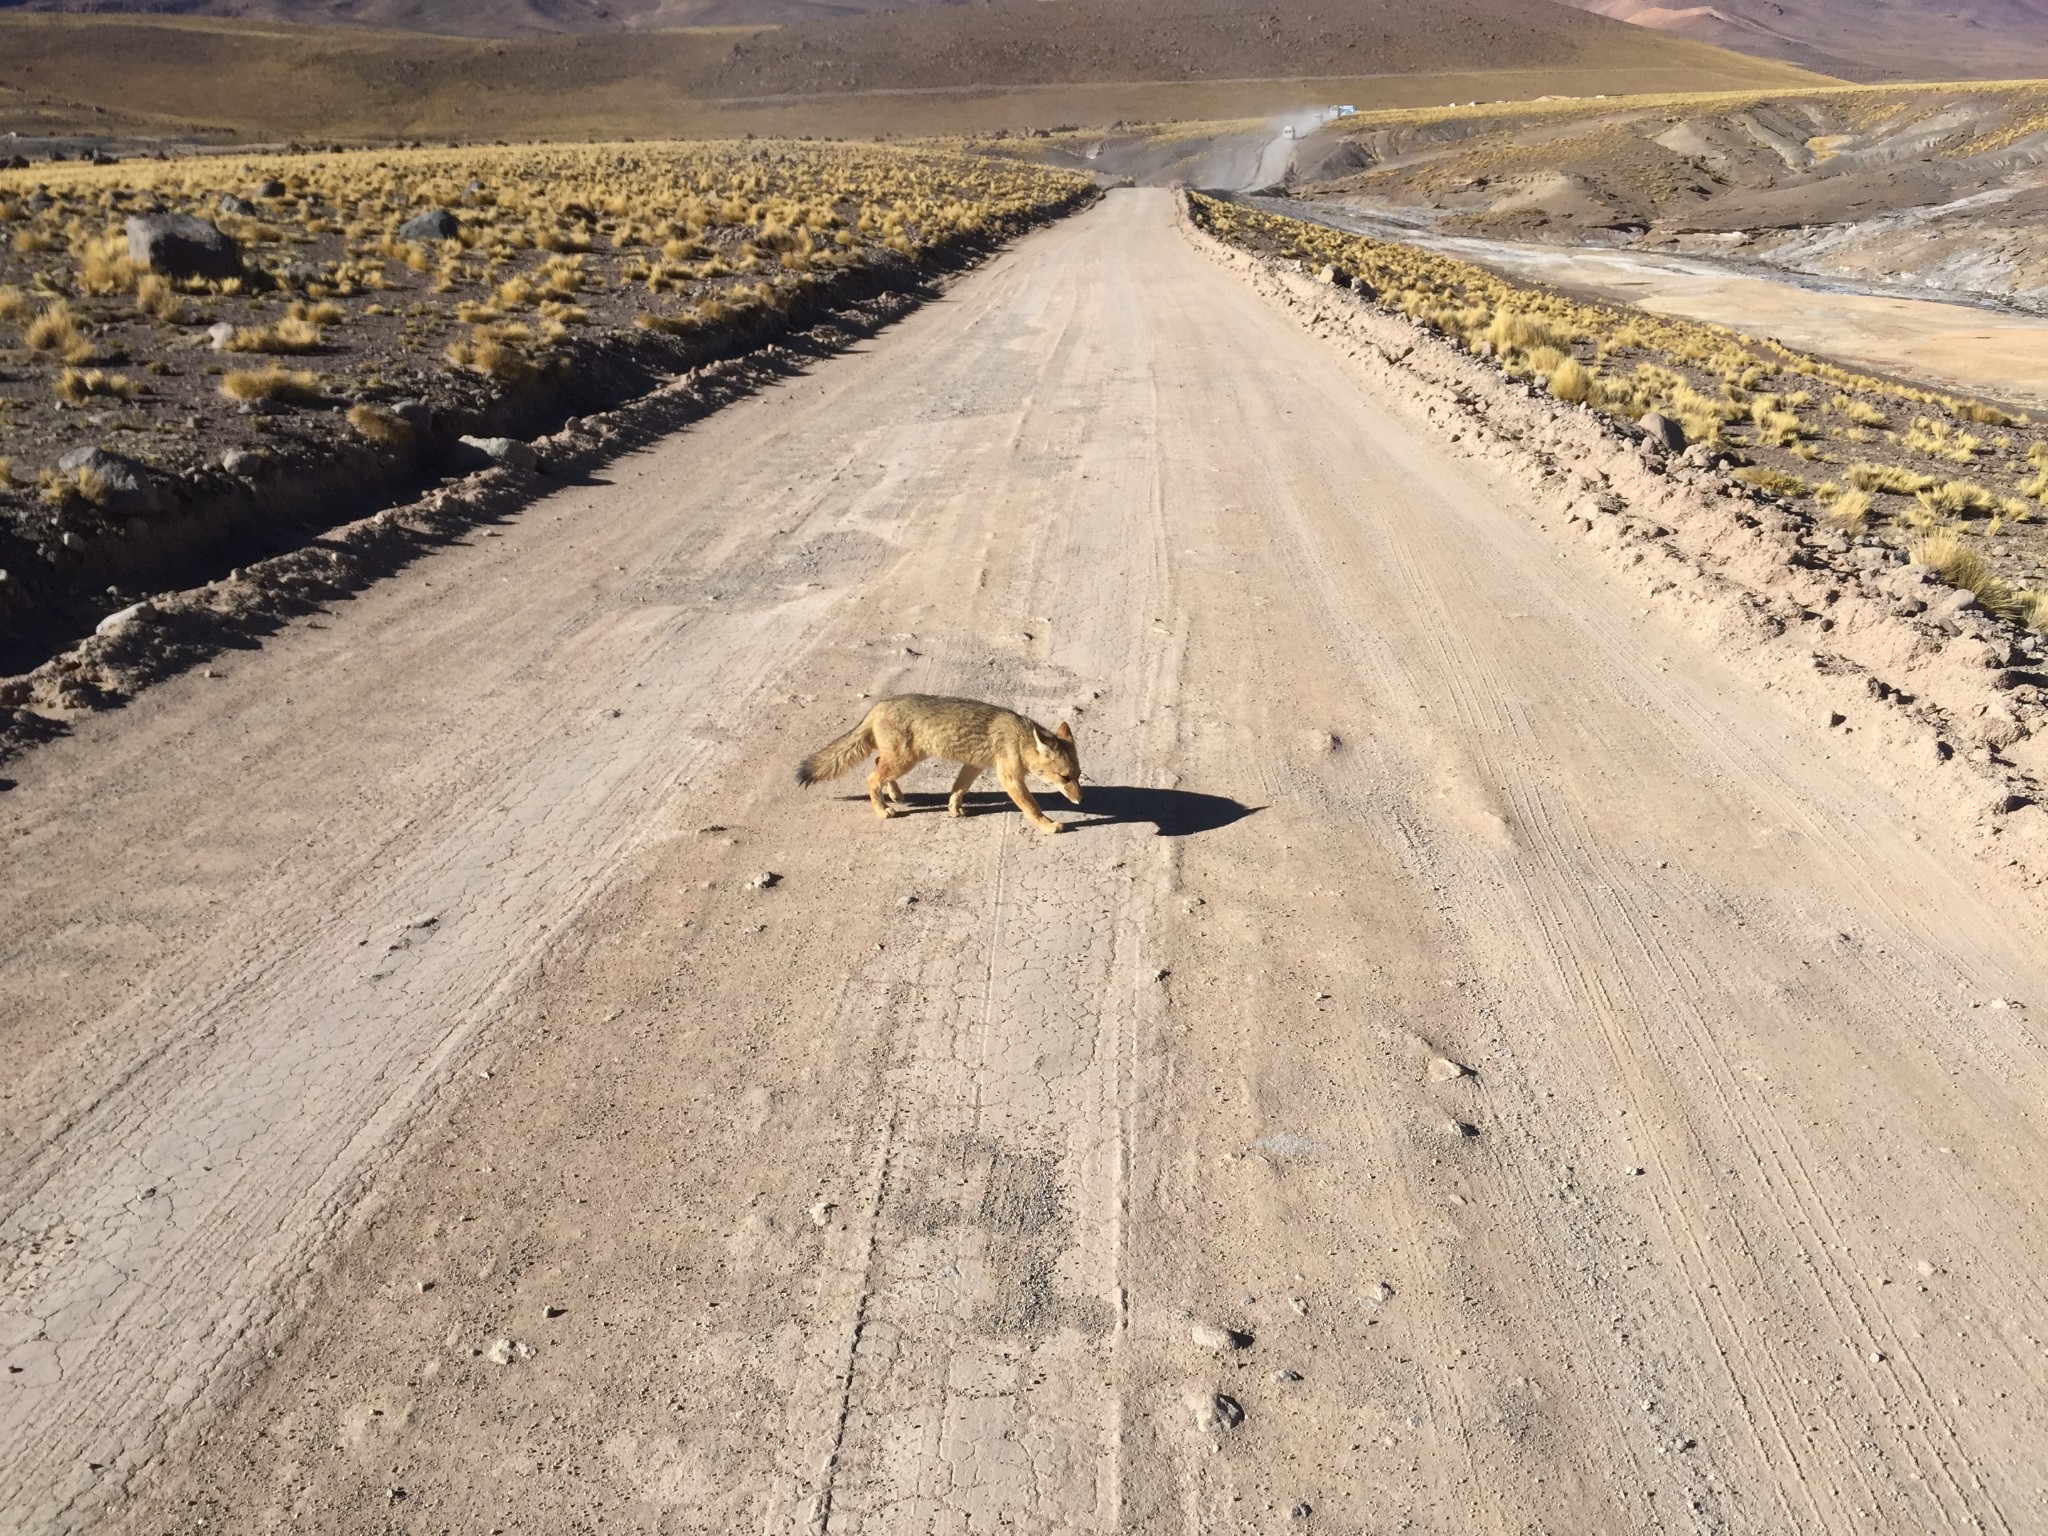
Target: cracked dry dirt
{"type": "Point", "coordinates": [401, 1000]}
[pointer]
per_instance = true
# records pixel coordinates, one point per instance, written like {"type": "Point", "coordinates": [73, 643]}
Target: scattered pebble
{"type": "Point", "coordinates": [821, 1213]}
{"type": "Point", "coordinates": [424, 920]}
{"type": "Point", "coordinates": [1444, 1070]}
{"type": "Point", "coordinates": [1300, 1512]}
{"type": "Point", "coordinates": [500, 1352]}
{"type": "Point", "coordinates": [1218, 1411]}
{"type": "Point", "coordinates": [764, 879]}
{"type": "Point", "coordinates": [1877, 1357]}
{"type": "Point", "coordinates": [1379, 1293]}
{"type": "Point", "coordinates": [1286, 1375]}
{"type": "Point", "coordinates": [425, 1286]}
{"type": "Point", "coordinates": [1300, 1306]}
{"type": "Point", "coordinates": [1218, 1339]}
{"type": "Point", "coordinates": [1462, 1128]}
{"type": "Point", "coordinates": [554, 1311]}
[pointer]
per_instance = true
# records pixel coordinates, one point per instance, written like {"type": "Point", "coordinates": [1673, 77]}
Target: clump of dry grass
{"type": "Point", "coordinates": [1845, 509]}
{"type": "Point", "coordinates": [670, 325]}
{"type": "Point", "coordinates": [1889, 479]}
{"type": "Point", "coordinates": [286, 386]}
{"type": "Point", "coordinates": [1776, 481]}
{"type": "Point", "coordinates": [301, 330]}
{"type": "Point", "coordinates": [15, 305]}
{"type": "Point", "coordinates": [495, 353]}
{"type": "Point", "coordinates": [385, 428]}
{"type": "Point", "coordinates": [104, 267]}
{"type": "Point", "coordinates": [56, 330]}
{"type": "Point", "coordinates": [1859, 412]}
{"type": "Point", "coordinates": [1939, 440]}
{"type": "Point", "coordinates": [1571, 380]}
{"type": "Point", "coordinates": [1951, 556]}
{"type": "Point", "coordinates": [155, 297]}
{"type": "Point", "coordinates": [76, 386]}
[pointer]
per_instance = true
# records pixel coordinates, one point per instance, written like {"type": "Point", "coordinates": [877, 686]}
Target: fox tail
{"type": "Point", "coordinates": [843, 756]}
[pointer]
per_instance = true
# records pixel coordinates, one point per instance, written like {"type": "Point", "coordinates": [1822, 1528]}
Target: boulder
{"type": "Point", "coordinates": [416, 414]}
{"type": "Point", "coordinates": [178, 245]}
{"type": "Point", "coordinates": [241, 461]}
{"type": "Point", "coordinates": [219, 334]}
{"type": "Point", "coordinates": [124, 486]}
{"type": "Point", "coordinates": [1335, 276]}
{"type": "Point", "coordinates": [235, 205]}
{"type": "Point", "coordinates": [14, 163]}
{"type": "Point", "coordinates": [1663, 431]}
{"type": "Point", "coordinates": [508, 451]}
{"type": "Point", "coordinates": [434, 224]}
{"type": "Point", "coordinates": [268, 189]}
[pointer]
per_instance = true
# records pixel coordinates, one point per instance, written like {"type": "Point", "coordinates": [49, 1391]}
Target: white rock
{"type": "Point", "coordinates": [1217, 1339]}
{"type": "Point", "coordinates": [122, 619]}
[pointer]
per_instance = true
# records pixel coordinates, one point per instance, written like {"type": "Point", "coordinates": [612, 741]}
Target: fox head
{"type": "Point", "coordinates": [1054, 757]}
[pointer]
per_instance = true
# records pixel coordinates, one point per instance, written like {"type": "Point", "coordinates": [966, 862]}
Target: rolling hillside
{"type": "Point", "coordinates": [1905, 39]}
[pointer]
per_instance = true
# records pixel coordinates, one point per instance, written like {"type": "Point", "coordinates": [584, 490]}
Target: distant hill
{"type": "Point", "coordinates": [1860, 39]}
{"type": "Point", "coordinates": [1058, 42]}
{"type": "Point", "coordinates": [1014, 64]}
{"type": "Point", "coordinates": [488, 18]}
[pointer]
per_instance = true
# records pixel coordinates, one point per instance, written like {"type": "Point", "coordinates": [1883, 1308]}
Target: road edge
{"type": "Point", "coordinates": [1943, 690]}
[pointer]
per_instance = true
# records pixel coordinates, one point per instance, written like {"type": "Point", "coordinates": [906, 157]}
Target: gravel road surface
{"type": "Point", "coordinates": [1472, 1064]}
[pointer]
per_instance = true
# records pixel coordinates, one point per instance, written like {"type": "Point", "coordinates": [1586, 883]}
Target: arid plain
{"type": "Point", "coordinates": [1527, 1030]}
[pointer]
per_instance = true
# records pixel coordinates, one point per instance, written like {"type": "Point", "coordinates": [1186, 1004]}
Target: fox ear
{"type": "Point", "coordinates": [1065, 732]}
{"type": "Point", "coordinates": [1041, 742]}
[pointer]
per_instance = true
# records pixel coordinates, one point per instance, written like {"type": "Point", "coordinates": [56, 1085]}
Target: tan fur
{"type": "Point", "coordinates": [905, 730]}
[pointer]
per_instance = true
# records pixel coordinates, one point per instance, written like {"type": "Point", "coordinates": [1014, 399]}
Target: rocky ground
{"type": "Point", "coordinates": [334, 325]}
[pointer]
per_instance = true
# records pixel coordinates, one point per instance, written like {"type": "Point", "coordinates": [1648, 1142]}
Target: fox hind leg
{"type": "Point", "coordinates": [888, 769]}
{"type": "Point", "coordinates": [961, 784]}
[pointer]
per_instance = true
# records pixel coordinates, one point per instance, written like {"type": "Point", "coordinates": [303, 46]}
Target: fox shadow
{"type": "Point", "coordinates": [1172, 812]}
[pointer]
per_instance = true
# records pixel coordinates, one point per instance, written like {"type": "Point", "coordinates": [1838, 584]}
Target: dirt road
{"type": "Point", "coordinates": [419, 969]}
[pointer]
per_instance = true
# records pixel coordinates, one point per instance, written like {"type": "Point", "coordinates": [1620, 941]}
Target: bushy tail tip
{"type": "Point", "coordinates": [843, 756]}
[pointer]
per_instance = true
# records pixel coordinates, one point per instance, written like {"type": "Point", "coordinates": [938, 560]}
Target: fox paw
{"type": "Point", "coordinates": [1050, 827]}
{"type": "Point", "coordinates": [886, 812]}
{"type": "Point", "coordinates": [956, 809]}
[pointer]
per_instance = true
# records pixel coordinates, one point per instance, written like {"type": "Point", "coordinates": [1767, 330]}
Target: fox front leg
{"type": "Point", "coordinates": [1020, 792]}
{"type": "Point", "coordinates": [963, 782]}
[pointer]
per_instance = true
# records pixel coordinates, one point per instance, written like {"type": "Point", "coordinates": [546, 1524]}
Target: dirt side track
{"type": "Point", "coordinates": [417, 969]}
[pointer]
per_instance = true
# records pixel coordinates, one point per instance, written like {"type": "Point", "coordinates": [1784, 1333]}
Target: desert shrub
{"type": "Point", "coordinates": [670, 325]}
{"type": "Point", "coordinates": [56, 330]}
{"type": "Point", "coordinates": [1889, 479]}
{"type": "Point", "coordinates": [286, 386]}
{"type": "Point", "coordinates": [385, 428]}
{"type": "Point", "coordinates": [1957, 498]}
{"type": "Point", "coordinates": [1776, 481]}
{"type": "Point", "coordinates": [154, 296]}
{"type": "Point", "coordinates": [1983, 415]}
{"type": "Point", "coordinates": [80, 385]}
{"type": "Point", "coordinates": [1571, 380]}
{"type": "Point", "coordinates": [104, 267]}
{"type": "Point", "coordinates": [286, 336]}
{"type": "Point", "coordinates": [15, 305]}
{"type": "Point", "coordinates": [1938, 440]}
{"type": "Point", "coordinates": [1847, 510]}
{"type": "Point", "coordinates": [1951, 556]}
{"type": "Point", "coordinates": [1859, 412]}
{"type": "Point", "coordinates": [494, 353]}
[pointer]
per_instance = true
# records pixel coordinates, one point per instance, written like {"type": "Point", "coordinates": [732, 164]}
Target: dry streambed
{"type": "Point", "coordinates": [1944, 695]}
{"type": "Point", "coordinates": [203, 362]}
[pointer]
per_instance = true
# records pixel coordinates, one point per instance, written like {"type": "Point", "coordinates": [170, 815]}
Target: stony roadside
{"type": "Point", "coordinates": [1947, 699]}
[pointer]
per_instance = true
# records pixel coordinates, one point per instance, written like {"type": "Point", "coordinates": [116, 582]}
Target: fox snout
{"type": "Point", "coordinates": [1072, 792]}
